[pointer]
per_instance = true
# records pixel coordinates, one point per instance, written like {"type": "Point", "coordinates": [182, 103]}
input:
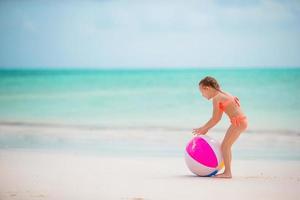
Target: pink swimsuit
{"type": "Point", "coordinates": [236, 120]}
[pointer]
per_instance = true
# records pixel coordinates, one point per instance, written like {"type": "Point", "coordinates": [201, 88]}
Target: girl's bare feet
{"type": "Point", "coordinates": [223, 175]}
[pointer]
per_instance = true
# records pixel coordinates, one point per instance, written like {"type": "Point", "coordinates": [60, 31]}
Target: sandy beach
{"type": "Point", "coordinates": [38, 174]}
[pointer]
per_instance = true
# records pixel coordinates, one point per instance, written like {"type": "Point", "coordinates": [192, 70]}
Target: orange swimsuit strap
{"type": "Point", "coordinates": [222, 105]}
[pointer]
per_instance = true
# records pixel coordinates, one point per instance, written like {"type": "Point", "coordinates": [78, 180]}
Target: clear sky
{"type": "Point", "coordinates": [155, 33]}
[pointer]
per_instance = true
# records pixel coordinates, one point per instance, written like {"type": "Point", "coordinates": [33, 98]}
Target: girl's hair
{"type": "Point", "coordinates": [210, 82]}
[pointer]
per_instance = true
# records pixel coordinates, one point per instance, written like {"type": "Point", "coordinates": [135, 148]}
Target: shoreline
{"type": "Point", "coordinates": [149, 127]}
{"type": "Point", "coordinates": [159, 142]}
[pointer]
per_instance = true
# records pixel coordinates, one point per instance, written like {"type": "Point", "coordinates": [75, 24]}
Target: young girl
{"type": "Point", "coordinates": [223, 102]}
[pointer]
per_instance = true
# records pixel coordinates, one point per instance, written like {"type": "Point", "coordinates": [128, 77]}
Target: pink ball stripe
{"type": "Point", "coordinates": [200, 150]}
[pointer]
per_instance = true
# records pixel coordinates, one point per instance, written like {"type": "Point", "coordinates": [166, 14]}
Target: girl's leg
{"type": "Point", "coordinates": [232, 134]}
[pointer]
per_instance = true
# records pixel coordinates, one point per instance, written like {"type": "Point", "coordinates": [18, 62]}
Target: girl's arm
{"type": "Point", "coordinates": [216, 117]}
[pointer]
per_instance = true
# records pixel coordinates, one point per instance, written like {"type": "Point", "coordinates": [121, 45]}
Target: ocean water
{"type": "Point", "coordinates": [145, 100]}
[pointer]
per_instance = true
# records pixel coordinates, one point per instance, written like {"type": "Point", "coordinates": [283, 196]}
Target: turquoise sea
{"type": "Point", "coordinates": [144, 100]}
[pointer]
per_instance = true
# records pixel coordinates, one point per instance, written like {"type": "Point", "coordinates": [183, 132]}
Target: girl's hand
{"type": "Point", "coordinates": [200, 131]}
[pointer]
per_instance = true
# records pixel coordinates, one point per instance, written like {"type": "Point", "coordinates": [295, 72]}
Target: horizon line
{"type": "Point", "coordinates": [143, 68]}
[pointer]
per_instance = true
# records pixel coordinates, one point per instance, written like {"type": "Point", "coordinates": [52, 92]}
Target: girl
{"type": "Point", "coordinates": [223, 102]}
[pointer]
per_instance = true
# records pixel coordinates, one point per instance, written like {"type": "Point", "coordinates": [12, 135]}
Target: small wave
{"type": "Point", "coordinates": [126, 128]}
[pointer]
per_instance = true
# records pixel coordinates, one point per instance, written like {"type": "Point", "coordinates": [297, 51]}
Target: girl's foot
{"type": "Point", "coordinates": [223, 175]}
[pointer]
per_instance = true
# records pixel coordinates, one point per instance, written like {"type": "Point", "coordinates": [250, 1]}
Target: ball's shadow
{"type": "Point", "coordinates": [191, 176]}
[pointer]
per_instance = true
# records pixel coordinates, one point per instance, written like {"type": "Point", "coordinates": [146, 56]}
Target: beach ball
{"type": "Point", "coordinates": [203, 156]}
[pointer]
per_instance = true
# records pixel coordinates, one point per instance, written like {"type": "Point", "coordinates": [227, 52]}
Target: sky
{"type": "Point", "coordinates": [149, 34]}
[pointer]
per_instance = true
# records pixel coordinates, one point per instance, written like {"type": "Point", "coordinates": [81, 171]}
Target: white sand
{"type": "Point", "coordinates": [53, 175]}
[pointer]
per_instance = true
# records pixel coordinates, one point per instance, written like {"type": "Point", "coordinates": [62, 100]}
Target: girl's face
{"type": "Point", "coordinates": [205, 91]}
